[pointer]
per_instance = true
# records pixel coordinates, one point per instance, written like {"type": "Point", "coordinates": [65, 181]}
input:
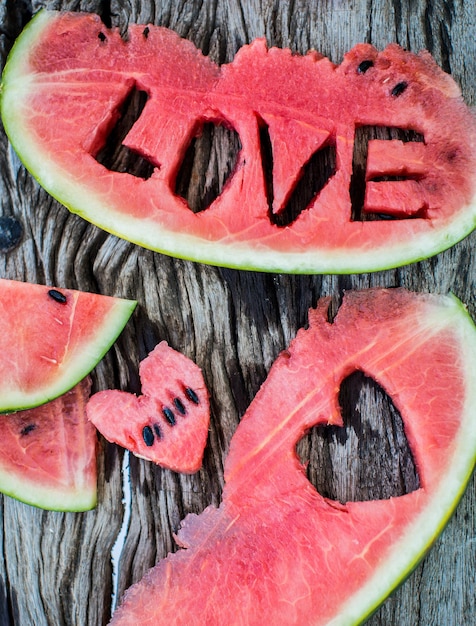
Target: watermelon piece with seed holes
{"type": "Point", "coordinates": [275, 551]}
{"type": "Point", "coordinates": [48, 453]}
{"type": "Point", "coordinates": [384, 141]}
{"type": "Point", "coordinates": [50, 339]}
{"type": "Point", "coordinates": [168, 423]}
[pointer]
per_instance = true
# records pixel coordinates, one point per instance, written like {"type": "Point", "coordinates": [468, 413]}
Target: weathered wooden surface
{"type": "Point", "coordinates": [56, 568]}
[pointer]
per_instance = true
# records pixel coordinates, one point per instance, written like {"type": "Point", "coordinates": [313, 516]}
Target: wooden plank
{"type": "Point", "coordinates": [55, 568]}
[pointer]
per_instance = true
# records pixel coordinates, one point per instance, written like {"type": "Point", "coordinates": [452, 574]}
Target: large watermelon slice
{"type": "Point", "coordinates": [50, 339]}
{"type": "Point", "coordinates": [168, 422]}
{"type": "Point", "coordinates": [276, 551]}
{"type": "Point", "coordinates": [68, 76]}
{"type": "Point", "coordinates": [48, 454]}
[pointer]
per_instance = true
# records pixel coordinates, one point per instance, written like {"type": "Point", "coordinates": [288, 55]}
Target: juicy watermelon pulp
{"type": "Point", "coordinates": [51, 339]}
{"type": "Point", "coordinates": [68, 76]}
{"type": "Point", "coordinates": [48, 454]}
{"type": "Point", "coordinates": [276, 551]}
{"type": "Point", "coordinates": [168, 423]}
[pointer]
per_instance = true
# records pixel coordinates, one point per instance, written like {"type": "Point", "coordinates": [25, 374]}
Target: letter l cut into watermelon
{"type": "Point", "coordinates": [276, 552]}
{"type": "Point", "coordinates": [68, 78]}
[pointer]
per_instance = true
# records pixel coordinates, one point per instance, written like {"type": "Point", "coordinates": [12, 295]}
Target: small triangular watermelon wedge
{"type": "Point", "coordinates": [276, 551]}
{"type": "Point", "coordinates": [50, 339]}
{"type": "Point", "coordinates": [68, 79]}
{"type": "Point", "coordinates": [48, 453]}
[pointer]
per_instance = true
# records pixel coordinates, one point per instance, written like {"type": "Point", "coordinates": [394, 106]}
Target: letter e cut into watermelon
{"type": "Point", "coordinates": [394, 142]}
{"type": "Point", "coordinates": [276, 551]}
{"type": "Point", "coordinates": [50, 339]}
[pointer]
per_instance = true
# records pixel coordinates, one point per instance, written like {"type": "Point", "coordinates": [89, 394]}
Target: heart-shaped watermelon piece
{"type": "Point", "coordinates": [168, 423]}
{"type": "Point", "coordinates": [410, 196]}
{"type": "Point", "coordinates": [276, 551]}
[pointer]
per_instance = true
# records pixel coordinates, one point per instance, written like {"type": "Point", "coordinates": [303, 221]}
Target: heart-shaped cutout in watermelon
{"type": "Point", "coordinates": [276, 551]}
{"type": "Point", "coordinates": [410, 195]}
{"type": "Point", "coordinates": [168, 423]}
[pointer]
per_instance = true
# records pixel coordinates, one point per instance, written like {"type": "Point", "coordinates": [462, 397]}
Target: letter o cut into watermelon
{"type": "Point", "coordinates": [277, 552]}
{"type": "Point", "coordinates": [68, 77]}
{"type": "Point", "coordinates": [51, 339]}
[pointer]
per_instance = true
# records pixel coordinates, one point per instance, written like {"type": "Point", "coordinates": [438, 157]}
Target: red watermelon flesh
{"type": "Point", "coordinates": [48, 453]}
{"type": "Point", "coordinates": [276, 551]}
{"type": "Point", "coordinates": [168, 423]}
{"type": "Point", "coordinates": [50, 339]}
{"type": "Point", "coordinates": [68, 75]}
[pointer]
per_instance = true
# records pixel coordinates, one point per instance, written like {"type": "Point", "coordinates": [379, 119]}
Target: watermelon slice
{"type": "Point", "coordinates": [50, 339]}
{"type": "Point", "coordinates": [168, 423]}
{"type": "Point", "coordinates": [48, 454]}
{"type": "Point", "coordinates": [276, 551]}
{"type": "Point", "coordinates": [68, 77]}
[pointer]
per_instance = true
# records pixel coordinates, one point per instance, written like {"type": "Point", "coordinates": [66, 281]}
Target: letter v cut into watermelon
{"type": "Point", "coordinates": [51, 339]}
{"type": "Point", "coordinates": [277, 552]}
{"type": "Point", "coordinates": [68, 76]}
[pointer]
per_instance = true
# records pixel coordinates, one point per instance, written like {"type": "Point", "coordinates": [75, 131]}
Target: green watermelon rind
{"type": "Point", "coordinates": [421, 535]}
{"type": "Point", "coordinates": [78, 365]}
{"type": "Point", "coordinates": [81, 498]}
{"type": "Point", "coordinates": [66, 501]}
{"type": "Point", "coordinates": [148, 234]}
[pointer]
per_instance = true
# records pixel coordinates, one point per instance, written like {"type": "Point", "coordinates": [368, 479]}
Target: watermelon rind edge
{"type": "Point", "coordinates": [421, 535]}
{"type": "Point", "coordinates": [66, 500]}
{"type": "Point", "coordinates": [80, 200]}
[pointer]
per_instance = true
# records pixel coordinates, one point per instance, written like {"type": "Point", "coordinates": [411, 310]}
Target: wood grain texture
{"type": "Point", "coordinates": [55, 568]}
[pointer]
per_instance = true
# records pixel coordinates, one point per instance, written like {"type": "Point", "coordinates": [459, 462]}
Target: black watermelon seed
{"type": "Point", "coordinates": [11, 231]}
{"type": "Point", "coordinates": [180, 406]}
{"type": "Point", "coordinates": [452, 155]}
{"type": "Point", "coordinates": [27, 429]}
{"type": "Point", "coordinates": [57, 296]}
{"type": "Point", "coordinates": [399, 89]}
{"type": "Point", "coordinates": [157, 431]}
{"type": "Point", "coordinates": [102, 36]}
{"type": "Point", "coordinates": [148, 436]}
{"type": "Point", "coordinates": [191, 395]}
{"type": "Point", "coordinates": [146, 32]}
{"type": "Point", "coordinates": [364, 66]}
{"type": "Point", "coordinates": [169, 416]}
